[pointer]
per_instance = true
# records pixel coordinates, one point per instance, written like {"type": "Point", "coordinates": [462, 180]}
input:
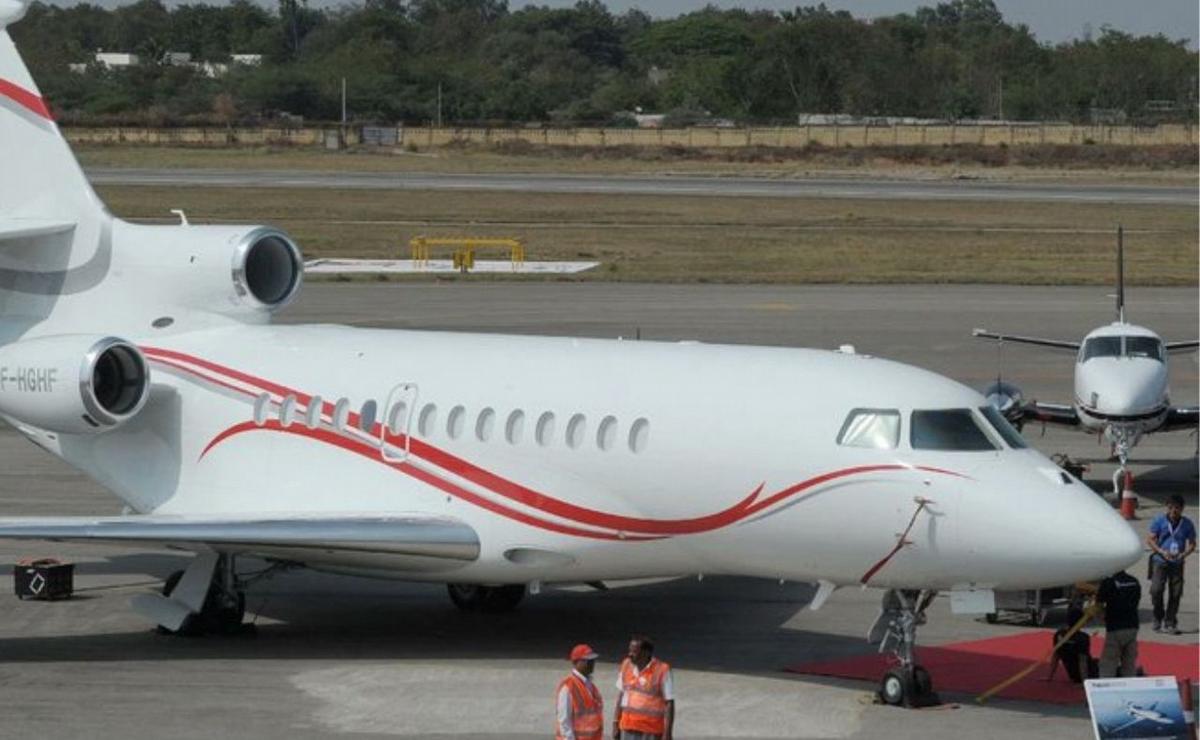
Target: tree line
{"type": "Point", "coordinates": [478, 61]}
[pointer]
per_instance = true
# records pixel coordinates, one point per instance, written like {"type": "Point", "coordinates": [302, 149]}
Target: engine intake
{"type": "Point", "coordinates": [73, 384]}
{"type": "Point", "coordinates": [267, 268]}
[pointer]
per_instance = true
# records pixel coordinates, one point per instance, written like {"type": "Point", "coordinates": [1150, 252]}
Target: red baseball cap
{"type": "Point", "coordinates": [582, 651]}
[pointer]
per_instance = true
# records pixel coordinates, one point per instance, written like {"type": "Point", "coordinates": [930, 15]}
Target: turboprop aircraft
{"type": "Point", "coordinates": [144, 356]}
{"type": "Point", "coordinates": [1121, 382]}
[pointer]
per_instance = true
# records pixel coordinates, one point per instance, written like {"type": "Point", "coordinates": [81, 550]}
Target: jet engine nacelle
{"type": "Point", "coordinates": [227, 269]}
{"type": "Point", "coordinates": [73, 384]}
{"type": "Point", "coordinates": [1007, 398]}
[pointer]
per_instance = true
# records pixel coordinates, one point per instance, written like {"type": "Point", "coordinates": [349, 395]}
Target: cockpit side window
{"type": "Point", "coordinates": [1101, 347]}
{"type": "Point", "coordinates": [877, 429]}
{"type": "Point", "coordinates": [1144, 347]}
{"type": "Point", "coordinates": [1003, 428]}
{"type": "Point", "coordinates": [948, 429]}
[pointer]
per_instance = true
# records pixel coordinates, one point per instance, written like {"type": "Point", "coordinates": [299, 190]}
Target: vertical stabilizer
{"type": "Point", "coordinates": [40, 177]}
{"type": "Point", "coordinates": [1120, 274]}
{"type": "Point", "coordinates": [54, 230]}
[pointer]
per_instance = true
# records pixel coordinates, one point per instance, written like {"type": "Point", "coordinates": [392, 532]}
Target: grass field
{"type": "Point", "coordinates": [709, 239]}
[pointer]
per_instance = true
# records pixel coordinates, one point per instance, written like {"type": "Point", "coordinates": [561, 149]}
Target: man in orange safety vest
{"type": "Point", "coordinates": [646, 707]}
{"type": "Point", "coordinates": [580, 707]}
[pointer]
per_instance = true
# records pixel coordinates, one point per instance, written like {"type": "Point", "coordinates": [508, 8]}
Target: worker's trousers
{"type": "Point", "coordinates": [1120, 654]}
{"type": "Point", "coordinates": [1166, 577]}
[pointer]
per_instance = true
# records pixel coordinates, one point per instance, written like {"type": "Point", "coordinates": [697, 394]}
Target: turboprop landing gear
{"type": "Point", "coordinates": [907, 684]}
{"type": "Point", "coordinates": [487, 599]}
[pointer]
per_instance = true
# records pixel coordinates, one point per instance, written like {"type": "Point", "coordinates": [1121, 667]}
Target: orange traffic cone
{"type": "Point", "coordinates": [1128, 497]}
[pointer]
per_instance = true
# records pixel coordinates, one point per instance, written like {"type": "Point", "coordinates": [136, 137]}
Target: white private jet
{"type": "Point", "coordinates": [1140, 714]}
{"type": "Point", "coordinates": [1121, 382]}
{"type": "Point", "coordinates": [144, 356]}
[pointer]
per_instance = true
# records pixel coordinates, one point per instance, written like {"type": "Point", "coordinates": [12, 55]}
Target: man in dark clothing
{"type": "Point", "coordinates": [1120, 594]}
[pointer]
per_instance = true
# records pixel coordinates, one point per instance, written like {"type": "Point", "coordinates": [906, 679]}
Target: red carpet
{"type": "Point", "coordinates": [976, 666]}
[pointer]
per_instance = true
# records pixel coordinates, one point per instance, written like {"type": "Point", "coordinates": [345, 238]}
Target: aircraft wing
{"type": "Point", "coordinates": [1123, 727]}
{"type": "Point", "coordinates": [1056, 343]}
{"type": "Point", "coordinates": [391, 542]}
{"type": "Point", "coordinates": [1181, 418]}
{"type": "Point", "coordinates": [1183, 346]}
{"type": "Point", "coordinates": [1049, 413]}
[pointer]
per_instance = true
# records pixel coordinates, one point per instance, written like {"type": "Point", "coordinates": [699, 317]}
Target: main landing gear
{"type": "Point", "coordinates": [208, 597]}
{"type": "Point", "coordinates": [907, 684]}
{"type": "Point", "coordinates": [486, 599]}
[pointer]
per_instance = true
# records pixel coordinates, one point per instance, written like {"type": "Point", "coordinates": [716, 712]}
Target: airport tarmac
{"type": "Point", "coordinates": [343, 655]}
{"type": "Point", "coordinates": [808, 187]}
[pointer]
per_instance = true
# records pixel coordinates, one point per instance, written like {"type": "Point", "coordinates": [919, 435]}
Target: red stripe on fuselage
{"type": "Point", "coordinates": [26, 99]}
{"type": "Point", "coordinates": [649, 528]}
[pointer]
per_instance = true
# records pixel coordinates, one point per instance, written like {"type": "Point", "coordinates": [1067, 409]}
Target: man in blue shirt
{"type": "Point", "coordinates": [1172, 538]}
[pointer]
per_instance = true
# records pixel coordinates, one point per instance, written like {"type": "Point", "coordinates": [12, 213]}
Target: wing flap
{"type": "Point", "coordinates": [394, 542]}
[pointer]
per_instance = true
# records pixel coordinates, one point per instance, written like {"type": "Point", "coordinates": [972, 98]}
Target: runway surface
{"type": "Point", "coordinates": [343, 655]}
{"type": "Point", "coordinates": [885, 189]}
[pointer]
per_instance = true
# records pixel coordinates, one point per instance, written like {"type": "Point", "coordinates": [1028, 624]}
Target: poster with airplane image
{"type": "Point", "coordinates": [1136, 708]}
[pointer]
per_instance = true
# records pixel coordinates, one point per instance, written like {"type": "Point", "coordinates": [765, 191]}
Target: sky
{"type": "Point", "coordinates": [1051, 21]}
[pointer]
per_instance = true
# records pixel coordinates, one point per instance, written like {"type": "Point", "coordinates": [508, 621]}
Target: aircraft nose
{"type": "Point", "coordinates": [1104, 542]}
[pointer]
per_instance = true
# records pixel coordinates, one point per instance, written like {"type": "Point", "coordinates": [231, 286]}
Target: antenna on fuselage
{"type": "Point", "coordinates": [1120, 274]}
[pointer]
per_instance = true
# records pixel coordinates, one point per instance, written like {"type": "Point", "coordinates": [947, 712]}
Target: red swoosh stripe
{"type": "Point", "coordinates": [26, 99]}
{"type": "Point", "coordinates": [642, 528]}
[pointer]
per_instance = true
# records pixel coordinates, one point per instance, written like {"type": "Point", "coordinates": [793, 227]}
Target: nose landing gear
{"type": "Point", "coordinates": [907, 684]}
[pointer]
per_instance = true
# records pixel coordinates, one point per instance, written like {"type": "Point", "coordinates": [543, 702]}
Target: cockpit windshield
{"type": "Point", "coordinates": [948, 429]}
{"type": "Point", "coordinates": [1144, 347]}
{"type": "Point", "coordinates": [1116, 346]}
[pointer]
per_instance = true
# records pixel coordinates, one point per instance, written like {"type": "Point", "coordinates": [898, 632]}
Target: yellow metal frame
{"type": "Point", "coordinates": [464, 254]}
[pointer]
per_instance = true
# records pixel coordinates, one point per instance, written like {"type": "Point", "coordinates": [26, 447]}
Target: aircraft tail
{"type": "Point", "coordinates": [51, 221]}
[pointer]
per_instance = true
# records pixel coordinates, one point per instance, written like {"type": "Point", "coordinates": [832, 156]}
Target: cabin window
{"type": "Point", "coordinates": [877, 429]}
{"type": "Point", "coordinates": [544, 431]}
{"type": "Point", "coordinates": [262, 408]}
{"type": "Point", "coordinates": [312, 415]}
{"type": "Point", "coordinates": [639, 436]}
{"type": "Point", "coordinates": [576, 431]}
{"type": "Point", "coordinates": [948, 429]}
{"type": "Point", "coordinates": [366, 415]}
{"type": "Point", "coordinates": [427, 420]}
{"type": "Point", "coordinates": [514, 428]}
{"type": "Point", "coordinates": [606, 433]}
{"type": "Point", "coordinates": [485, 424]}
{"type": "Point", "coordinates": [1003, 428]}
{"type": "Point", "coordinates": [455, 421]}
{"type": "Point", "coordinates": [287, 411]}
{"type": "Point", "coordinates": [341, 414]}
{"type": "Point", "coordinates": [397, 420]}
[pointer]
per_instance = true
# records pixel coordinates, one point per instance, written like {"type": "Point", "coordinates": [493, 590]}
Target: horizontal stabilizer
{"type": "Point", "coordinates": [1056, 343]}
{"type": "Point", "coordinates": [396, 542]}
{"type": "Point", "coordinates": [28, 228]}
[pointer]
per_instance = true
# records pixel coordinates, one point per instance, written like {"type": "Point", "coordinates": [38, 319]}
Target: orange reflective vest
{"type": "Point", "coordinates": [643, 708]}
{"type": "Point", "coordinates": [587, 709]}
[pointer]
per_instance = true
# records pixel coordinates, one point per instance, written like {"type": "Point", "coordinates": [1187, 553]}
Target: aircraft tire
{"type": "Point", "coordinates": [895, 688]}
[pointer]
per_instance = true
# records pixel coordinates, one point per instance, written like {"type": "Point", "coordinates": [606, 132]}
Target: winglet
{"type": "Point", "coordinates": [11, 11]}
